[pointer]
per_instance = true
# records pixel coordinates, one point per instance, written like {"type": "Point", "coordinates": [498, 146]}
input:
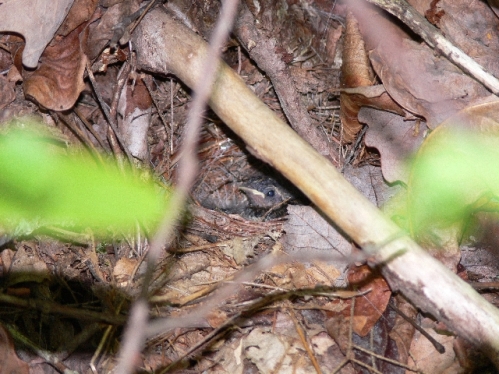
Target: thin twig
{"type": "Point", "coordinates": [83, 137]}
{"type": "Point", "coordinates": [105, 110]}
{"type": "Point", "coordinates": [250, 309]}
{"type": "Point", "coordinates": [439, 347]}
{"type": "Point", "coordinates": [380, 357]}
{"type": "Point", "coordinates": [171, 118]}
{"type": "Point", "coordinates": [134, 337]}
{"type": "Point", "coordinates": [124, 30]}
{"type": "Point", "coordinates": [199, 314]}
{"type": "Point", "coordinates": [144, 11]}
{"type": "Point", "coordinates": [121, 81]}
{"type": "Point", "coordinates": [303, 338]}
{"type": "Point", "coordinates": [48, 356]}
{"type": "Point", "coordinates": [89, 127]}
{"type": "Point", "coordinates": [156, 104]}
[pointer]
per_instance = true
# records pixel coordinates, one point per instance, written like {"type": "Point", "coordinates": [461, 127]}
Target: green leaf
{"type": "Point", "coordinates": [42, 183]}
{"type": "Point", "coordinates": [454, 170]}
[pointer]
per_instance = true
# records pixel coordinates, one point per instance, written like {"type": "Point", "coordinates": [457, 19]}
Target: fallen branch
{"type": "Point", "coordinates": [164, 46]}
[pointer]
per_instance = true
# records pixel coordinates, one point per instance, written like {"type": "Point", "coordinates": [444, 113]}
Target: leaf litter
{"type": "Point", "coordinates": [219, 241]}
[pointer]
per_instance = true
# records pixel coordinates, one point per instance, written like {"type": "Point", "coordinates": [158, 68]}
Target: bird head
{"type": "Point", "coordinates": [264, 193]}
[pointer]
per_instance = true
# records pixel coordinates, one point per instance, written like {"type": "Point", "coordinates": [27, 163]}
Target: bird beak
{"type": "Point", "coordinates": [252, 191]}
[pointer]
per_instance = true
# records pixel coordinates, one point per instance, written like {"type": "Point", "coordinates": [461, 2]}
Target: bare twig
{"type": "Point", "coordinates": [89, 127]}
{"type": "Point", "coordinates": [435, 39]}
{"type": "Point", "coordinates": [305, 341]}
{"type": "Point", "coordinates": [134, 337]}
{"type": "Point", "coordinates": [156, 104]}
{"type": "Point", "coordinates": [48, 356]}
{"type": "Point", "coordinates": [197, 316]}
{"type": "Point", "coordinates": [105, 110]}
{"type": "Point", "coordinates": [439, 347]}
{"type": "Point", "coordinates": [124, 29]}
{"type": "Point", "coordinates": [251, 308]}
{"type": "Point", "coordinates": [381, 357]}
{"type": "Point", "coordinates": [81, 135]}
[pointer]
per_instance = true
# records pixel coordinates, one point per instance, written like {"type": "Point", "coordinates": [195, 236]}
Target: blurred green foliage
{"type": "Point", "coordinates": [42, 184]}
{"type": "Point", "coordinates": [455, 173]}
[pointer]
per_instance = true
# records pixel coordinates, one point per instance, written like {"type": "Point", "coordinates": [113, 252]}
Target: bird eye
{"type": "Point", "coordinates": [270, 193]}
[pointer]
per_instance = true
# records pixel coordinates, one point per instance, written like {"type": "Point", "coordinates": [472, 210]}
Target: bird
{"type": "Point", "coordinates": [264, 193]}
{"type": "Point", "coordinates": [266, 196]}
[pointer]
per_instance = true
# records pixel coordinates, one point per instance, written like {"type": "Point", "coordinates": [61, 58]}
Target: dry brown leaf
{"type": "Point", "coordinates": [339, 329]}
{"type": "Point", "coordinates": [356, 71]}
{"type": "Point", "coordinates": [374, 97]}
{"type": "Point", "coordinates": [80, 12]}
{"type": "Point", "coordinates": [123, 270]}
{"type": "Point", "coordinates": [368, 308]}
{"type": "Point", "coordinates": [427, 359]}
{"type": "Point", "coordinates": [298, 275]}
{"type": "Point", "coordinates": [415, 86]}
{"type": "Point", "coordinates": [101, 31]}
{"type": "Point", "coordinates": [308, 231]}
{"type": "Point", "coordinates": [395, 138]}
{"type": "Point", "coordinates": [472, 27]}
{"type": "Point", "coordinates": [402, 332]}
{"type": "Point", "coordinates": [217, 318]}
{"type": "Point", "coordinates": [271, 352]}
{"type": "Point", "coordinates": [323, 272]}
{"type": "Point", "coordinates": [357, 80]}
{"type": "Point", "coordinates": [241, 248]}
{"type": "Point", "coordinates": [418, 80]}
{"type": "Point", "coordinates": [9, 362]}
{"type": "Point", "coordinates": [5, 55]}
{"type": "Point", "coordinates": [58, 82]}
{"type": "Point", "coordinates": [36, 20]}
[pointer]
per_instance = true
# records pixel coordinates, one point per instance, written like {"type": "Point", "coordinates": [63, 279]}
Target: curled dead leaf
{"type": "Point", "coordinates": [418, 80]}
{"type": "Point", "coordinates": [58, 82]}
{"type": "Point", "coordinates": [135, 116]}
{"type": "Point", "coordinates": [356, 72]}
